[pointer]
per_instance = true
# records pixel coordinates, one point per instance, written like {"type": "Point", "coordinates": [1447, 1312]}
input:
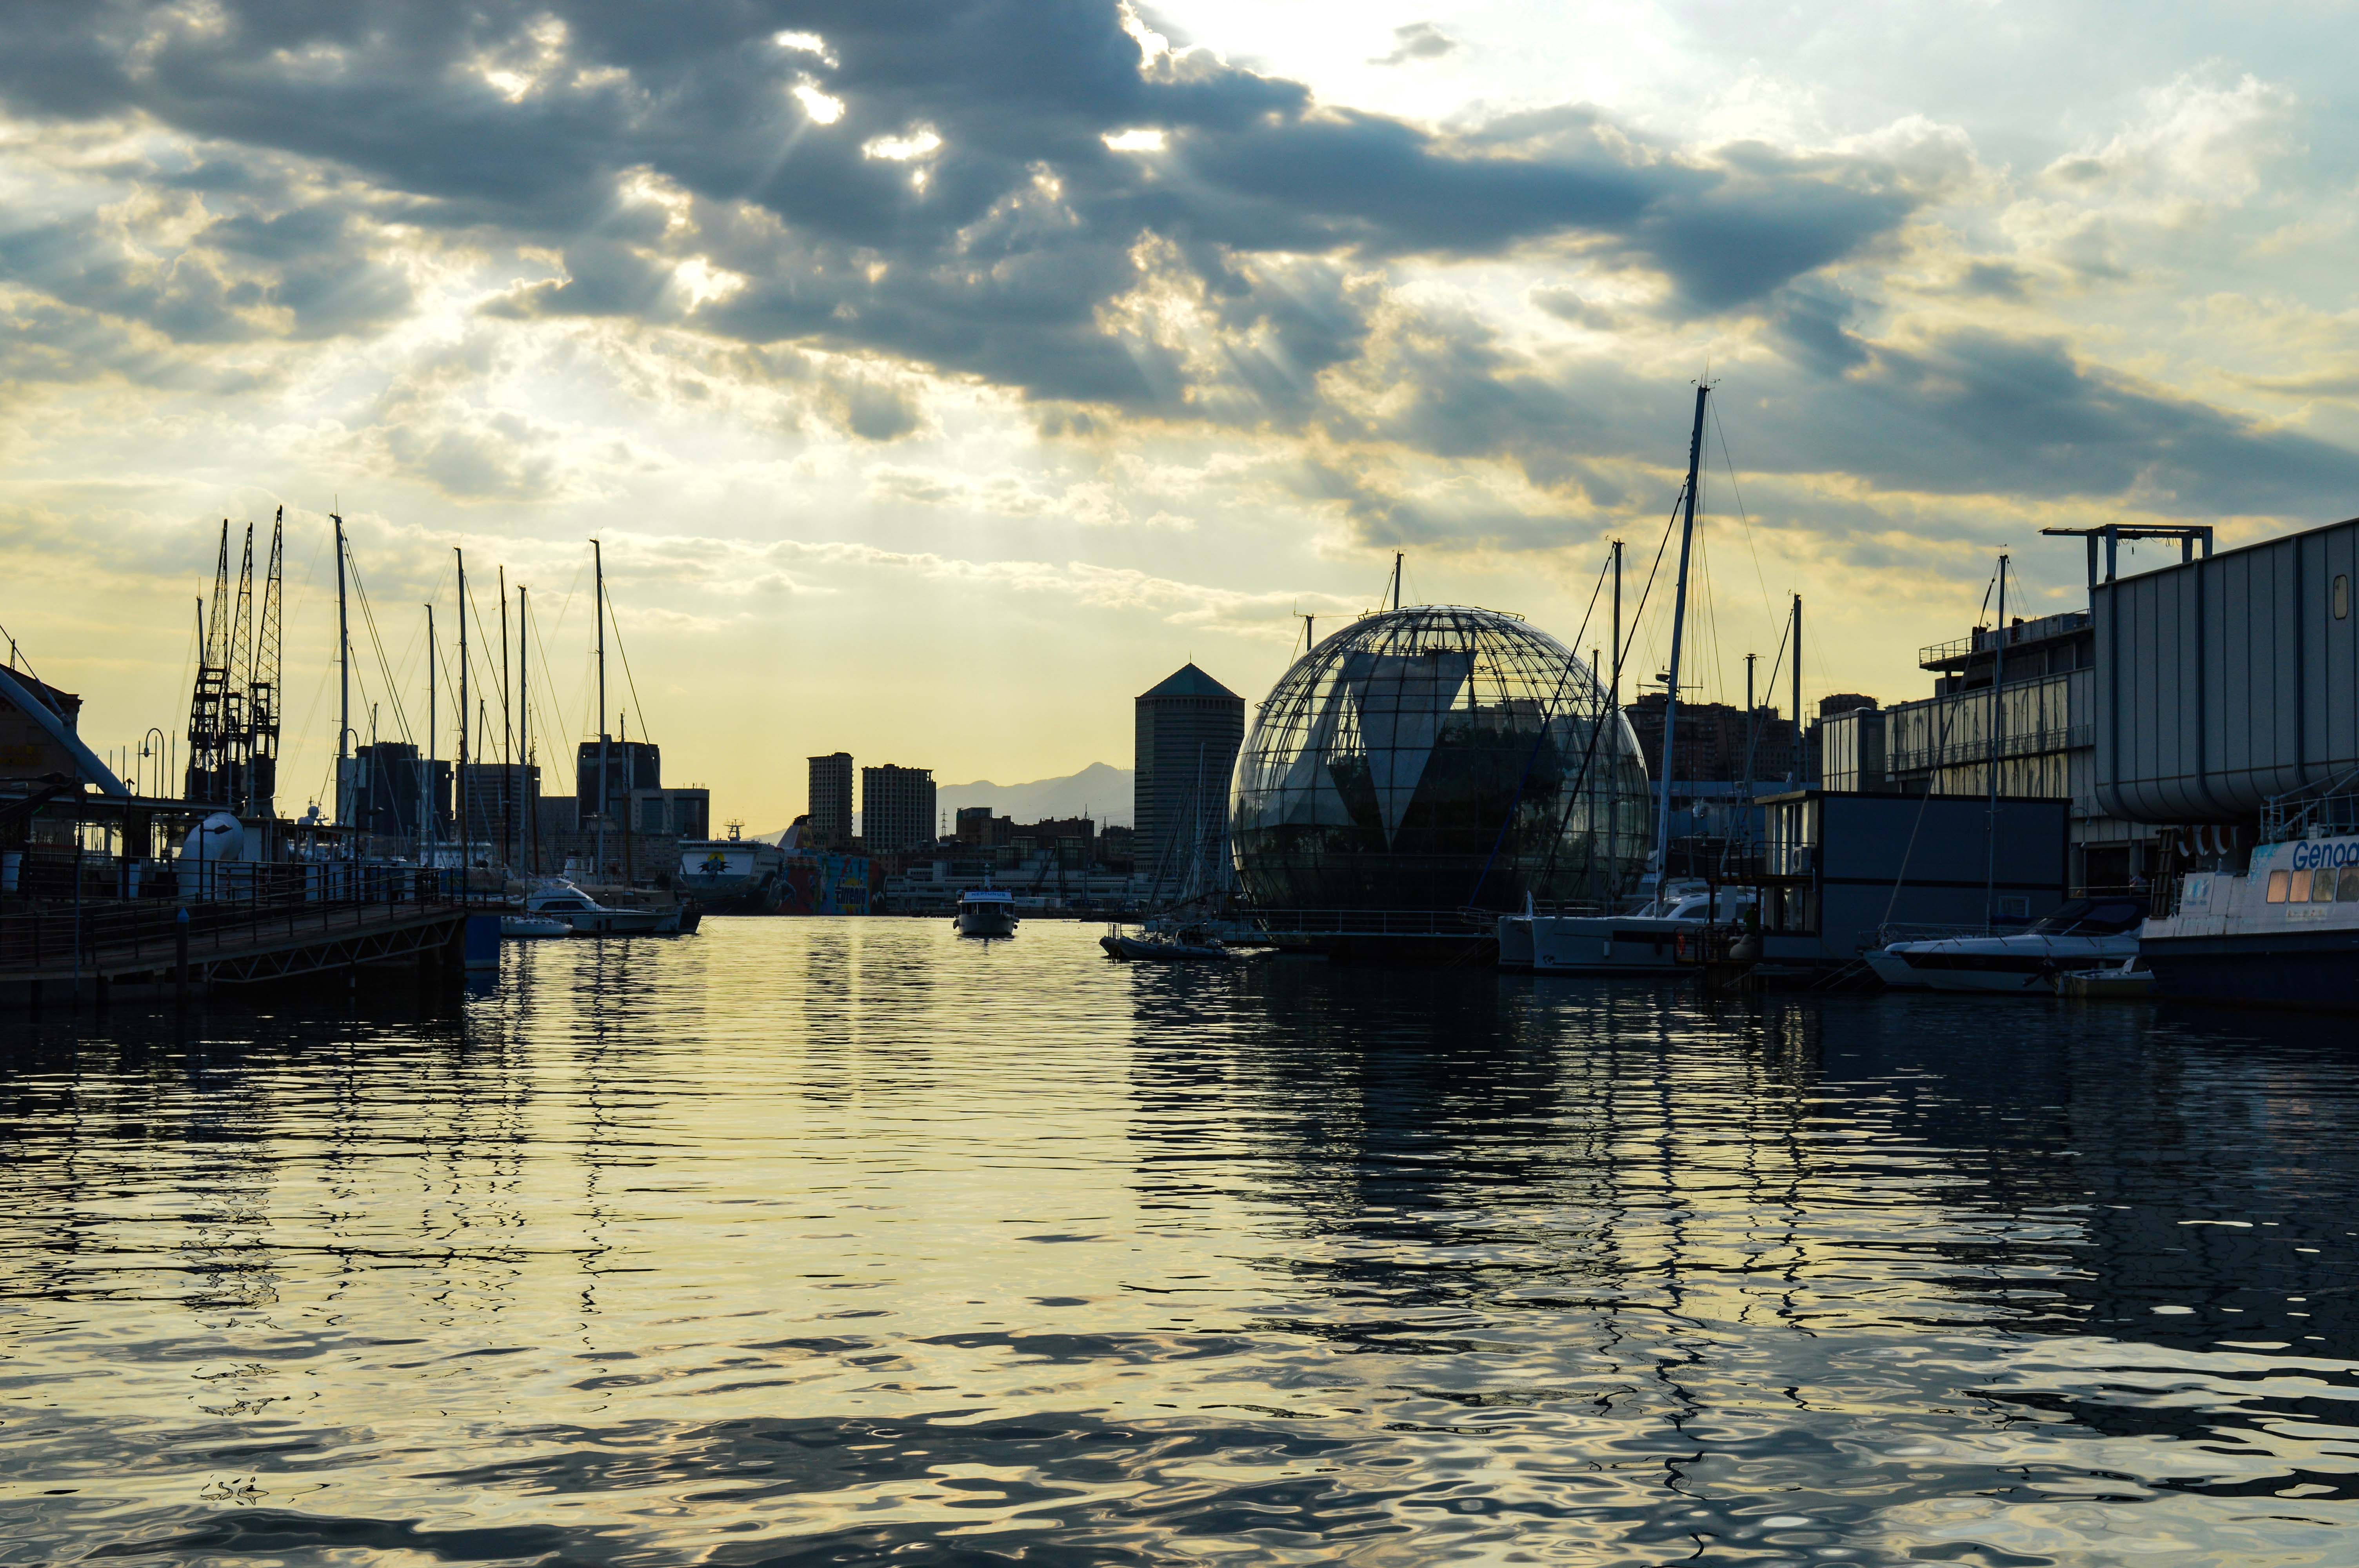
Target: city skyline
{"type": "Point", "coordinates": [932, 399]}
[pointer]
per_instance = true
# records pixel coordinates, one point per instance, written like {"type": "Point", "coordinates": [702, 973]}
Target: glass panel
{"type": "Point", "coordinates": [2298, 890]}
{"type": "Point", "coordinates": [2346, 889]}
{"type": "Point", "coordinates": [2342, 597]}
{"type": "Point", "coordinates": [2276, 887]}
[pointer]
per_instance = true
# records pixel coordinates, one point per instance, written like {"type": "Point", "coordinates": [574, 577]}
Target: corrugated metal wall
{"type": "Point", "coordinates": [2223, 682]}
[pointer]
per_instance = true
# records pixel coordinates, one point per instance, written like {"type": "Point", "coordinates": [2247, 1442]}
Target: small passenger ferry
{"type": "Point", "coordinates": [2284, 934]}
{"type": "Point", "coordinates": [987, 911]}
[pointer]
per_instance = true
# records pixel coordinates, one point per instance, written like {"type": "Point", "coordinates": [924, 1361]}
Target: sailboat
{"type": "Point", "coordinates": [1183, 932]}
{"type": "Point", "coordinates": [1671, 931]}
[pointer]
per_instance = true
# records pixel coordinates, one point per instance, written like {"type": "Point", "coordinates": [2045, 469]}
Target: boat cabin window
{"type": "Point", "coordinates": [2276, 887]}
{"type": "Point", "coordinates": [2298, 888]}
{"type": "Point", "coordinates": [2093, 917]}
{"type": "Point", "coordinates": [2342, 597]}
{"type": "Point", "coordinates": [2346, 889]}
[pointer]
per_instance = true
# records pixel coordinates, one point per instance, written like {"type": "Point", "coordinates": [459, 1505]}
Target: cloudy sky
{"type": "Point", "coordinates": [940, 375]}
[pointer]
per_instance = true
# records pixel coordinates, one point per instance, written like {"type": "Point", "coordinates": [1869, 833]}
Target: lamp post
{"type": "Point", "coordinates": [155, 734]}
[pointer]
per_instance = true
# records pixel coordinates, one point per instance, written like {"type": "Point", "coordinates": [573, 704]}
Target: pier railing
{"type": "Point", "coordinates": [38, 935]}
{"type": "Point", "coordinates": [1372, 922]}
{"type": "Point", "coordinates": [2303, 813]}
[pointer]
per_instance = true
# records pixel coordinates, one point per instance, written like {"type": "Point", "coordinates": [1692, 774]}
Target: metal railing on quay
{"type": "Point", "coordinates": [47, 933]}
{"type": "Point", "coordinates": [1372, 922]}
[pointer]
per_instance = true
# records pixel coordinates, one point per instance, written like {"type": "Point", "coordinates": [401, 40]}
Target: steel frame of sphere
{"type": "Point", "coordinates": [1438, 757]}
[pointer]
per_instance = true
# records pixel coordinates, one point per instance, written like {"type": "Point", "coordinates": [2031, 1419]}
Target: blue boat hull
{"type": "Point", "coordinates": [2311, 970]}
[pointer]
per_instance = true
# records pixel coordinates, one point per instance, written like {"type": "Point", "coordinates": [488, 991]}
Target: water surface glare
{"type": "Point", "coordinates": [850, 1241]}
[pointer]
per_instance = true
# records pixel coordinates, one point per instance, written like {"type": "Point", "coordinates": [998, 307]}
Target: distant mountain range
{"type": "Point", "coordinates": [1101, 790]}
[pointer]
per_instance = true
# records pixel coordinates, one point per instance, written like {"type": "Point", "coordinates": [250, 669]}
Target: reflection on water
{"type": "Point", "coordinates": [819, 1241]}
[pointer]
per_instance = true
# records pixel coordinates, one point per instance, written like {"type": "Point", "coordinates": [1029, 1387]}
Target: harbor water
{"type": "Point", "coordinates": [846, 1241]}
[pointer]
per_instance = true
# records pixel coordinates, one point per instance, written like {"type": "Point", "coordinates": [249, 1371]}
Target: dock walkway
{"type": "Point", "coordinates": [49, 950]}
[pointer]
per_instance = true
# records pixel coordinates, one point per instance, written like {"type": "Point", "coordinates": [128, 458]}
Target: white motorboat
{"type": "Point", "coordinates": [1190, 944]}
{"type": "Point", "coordinates": [521, 925]}
{"type": "Point", "coordinates": [2083, 934]}
{"type": "Point", "coordinates": [587, 917]}
{"type": "Point", "coordinates": [1652, 939]}
{"type": "Point", "coordinates": [987, 911]}
{"type": "Point", "coordinates": [2124, 979]}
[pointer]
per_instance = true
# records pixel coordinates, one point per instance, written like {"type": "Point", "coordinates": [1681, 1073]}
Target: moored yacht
{"type": "Point", "coordinates": [1661, 937]}
{"type": "Point", "coordinates": [2082, 934]}
{"type": "Point", "coordinates": [987, 911]}
{"type": "Point", "coordinates": [560, 900]}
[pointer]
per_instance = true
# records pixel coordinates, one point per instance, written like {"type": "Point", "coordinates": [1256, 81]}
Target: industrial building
{"type": "Point", "coordinates": [896, 808]}
{"type": "Point", "coordinates": [1189, 726]}
{"type": "Point", "coordinates": [1942, 744]}
{"type": "Point", "coordinates": [1838, 867]}
{"type": "Point", "coordinates": [2227, 681]}
{"type": "Point", "coordinates": [831, 800]}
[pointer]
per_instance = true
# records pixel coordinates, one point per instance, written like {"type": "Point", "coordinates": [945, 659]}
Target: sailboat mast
{"type": "Point", "coordinates": [1997, 723]}
{"type": "Point", "coordinates": [1616, 702]}
{"type": "Point", "coordinates": [345, 687]}
{"type": "Point", "coordinates": [524, 723]}
{"type": "Point", "coordinates": [1801, 776]}
{"type": "Point", "coordinates": [1679, 632]}
{"type": "Point", "coordinates": [507, 737]}
{"type": "Point", "coordinates": [460, 793]}
{"type": "Point", "coordinates": [598, 558]}
{"type": "Point", "coordinates": [425, 790]}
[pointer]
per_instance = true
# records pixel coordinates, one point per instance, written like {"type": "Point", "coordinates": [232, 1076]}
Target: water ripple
{"type": "Point", "coordinates": [846, 1241]}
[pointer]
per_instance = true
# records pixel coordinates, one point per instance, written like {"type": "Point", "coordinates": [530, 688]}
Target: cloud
{"type": "Point", "coordinates": [1417, 40]}
{"type": "Point", "coordinates": [941, 189]}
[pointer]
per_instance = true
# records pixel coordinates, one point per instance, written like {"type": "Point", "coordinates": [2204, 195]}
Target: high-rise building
{"type": "Point", "coordinates": [1189, 726]}
{"type": "Point", "coordinates": [896, 808]}
{"type": "Point", "coordinates": [630, 766]}
{"type": "Point", "coordinates": [831, 800]}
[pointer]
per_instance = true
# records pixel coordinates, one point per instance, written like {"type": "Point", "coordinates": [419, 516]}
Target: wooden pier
{"type": "Point", "coordinates": [53, 952]}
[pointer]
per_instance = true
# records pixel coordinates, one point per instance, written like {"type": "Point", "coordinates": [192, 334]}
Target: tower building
{"type": "Point", "coordinates": [896, 808]}
{"type": "Point", "coordinates": [1189, 726]}
{"type": "Point", "coordinates": [831, 800]}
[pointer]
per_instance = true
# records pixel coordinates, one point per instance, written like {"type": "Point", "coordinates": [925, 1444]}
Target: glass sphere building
{"type": "Point", "coordinates": [1437, 758]}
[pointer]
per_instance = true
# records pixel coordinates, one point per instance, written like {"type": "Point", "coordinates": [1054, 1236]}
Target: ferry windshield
{"type": "Point", "coordinates": [2093, 917]}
